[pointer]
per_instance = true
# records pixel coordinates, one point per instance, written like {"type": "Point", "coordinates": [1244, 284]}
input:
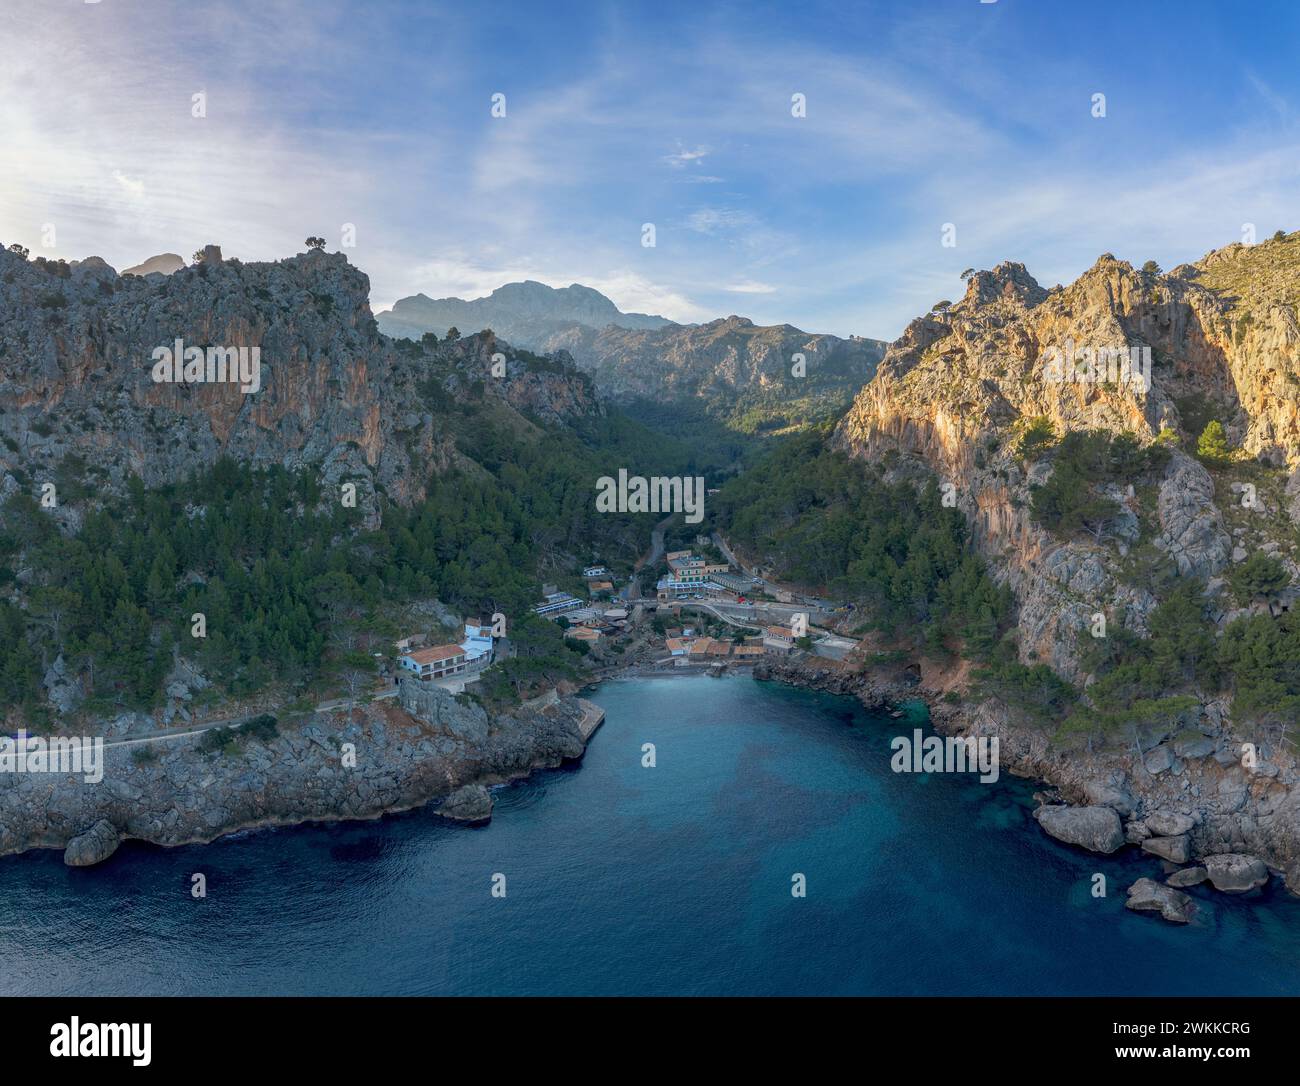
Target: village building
{"type": "Point", "coordinates": [437, 662]}
{"type": "Point", "coordinates": [583, 633]}
{"type": "Point", "coordinates": [595, 571]}
{"type": "Point", "coordinates": [478, 646]}
{"type": "Point", "coordinates": [414, 641]}
{"type": "Point", "coordinates": [677, 646]}
{"type": "Point", "coordinates": [556, 603]}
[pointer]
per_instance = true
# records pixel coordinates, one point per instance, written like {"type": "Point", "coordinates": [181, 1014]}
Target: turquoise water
{"type": "Point", "coordinates": [676, 879]}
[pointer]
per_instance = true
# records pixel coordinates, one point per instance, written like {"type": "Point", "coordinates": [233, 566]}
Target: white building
{"type": "Point", "coordinates": [478, 646]}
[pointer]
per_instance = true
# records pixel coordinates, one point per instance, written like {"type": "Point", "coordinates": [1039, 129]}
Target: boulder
{"type": "Point", "coordinates": [1159, 760]}
{"type": "Point", "coordinates": [1188, 876]}
{"type": "Point", "coordinates": [1100, 794]}
{"type": "Point", "coordinates": [472, 803]}
{"type": "Point", "coordinates": [1135, 832]}
{"type": "Point", "coordinates": [1173, 849]}
{"type": "Point", "coordinates": [1147, 895]}
{"type": "Point", "coordinates": [1168, 823]}
{"type": "Point", "coordinates": [95, 845]}
{"type": "Point", "coordinates": [1236, 873]}
{"type": "Point", "coordinates": [1095, 828]}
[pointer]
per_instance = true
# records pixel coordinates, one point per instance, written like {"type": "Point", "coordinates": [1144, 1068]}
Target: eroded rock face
{"type": "Point", "coordinates": [952, 390]}
{"type": "Point", "coordinates": [76, 374]}
{"type": "Point", "coordinates": [1234, 873]}
{"type": "Point", "coordinates": [1095, 828]}
{"type": "Point", "coordinates": [1147, 895]}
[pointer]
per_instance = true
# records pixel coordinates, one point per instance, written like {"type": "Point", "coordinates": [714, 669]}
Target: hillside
{"type": "Point", "coordinates": [355, 479]}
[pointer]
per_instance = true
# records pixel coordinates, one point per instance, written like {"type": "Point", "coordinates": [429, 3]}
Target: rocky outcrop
{"type": "Point", "coordinates": [472, 804]}
{"type": "Point", "coordinates": [361, 763]}
{"type": "Point", "coordinates": [94, 846]}
{"type": "Point", "coordinates": [955, 392]}
{"type": "Point", "coordinates": [1236, 874]}
{"type": "Point", "coordinates": [77, 383]}
{"type": "Point", "coordinates": [1097, 829]}
{"type": "Point", "coordinates": [1147, 895]}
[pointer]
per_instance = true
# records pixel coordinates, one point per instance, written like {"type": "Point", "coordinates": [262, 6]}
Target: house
{"type": "Point", "coordinates": [437, 662]}
{"type": "Point", "coordinates": [711, 568]}
{"type": "Point", "coordinates": [414, 641]}
{"type": "Point", "coordinates": [600, 588]}
{"type": "Point", "coordinates": [673, 555]}
{"type": "Point", "coordinates": [595, 571]}
{"type": "Point", "coordinates": [748, 650]}
{"type": "Point", "coordinates": [616, 614]}
{"type": "Point", "coordinates": [556, 603]}
{"type": "Point", "coordinates": [677, 647]}
{"type": "Point", "coordinates": [700, 649]}
{"type": "Point", "coordinates": [719, 648]}
{"type": "Point", "coordinates": [478, 646]}
{"type": "Point", "coordinates": [583, 633]}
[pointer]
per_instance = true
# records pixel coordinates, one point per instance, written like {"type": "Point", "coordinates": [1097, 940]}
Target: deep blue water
{"type": "Point", "coordinates": [676, 879]}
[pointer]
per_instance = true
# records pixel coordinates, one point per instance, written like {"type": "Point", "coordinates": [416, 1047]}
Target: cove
{"type": "Point", "coordinates": [669, 880]}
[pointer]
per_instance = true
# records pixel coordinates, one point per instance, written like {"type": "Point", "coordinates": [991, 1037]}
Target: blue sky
{"type": "Point", "coordinates": [918, 114]}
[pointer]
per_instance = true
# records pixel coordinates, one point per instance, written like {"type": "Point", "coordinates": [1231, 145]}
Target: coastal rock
{"type": "Point", "coordinates": [1174, 849]}
{"type": "Point", "coordinates": [472, 803]}
{"type": "Point", "coordinates": [1135, 832]}
{"type": "Point", "coordinates": [1101, 794]}
{"type": "Point", "coordinates": [1095, 828]}
{"type": "Point", "coordinates": [1168, 823]}
{"type": "Point", "coordinates": [1234, 873]}
{"type": "Point", "coordinates": [1147, 895]}
{"type": "Point", "coordinates": [1188, 876]}
{"type": "Point", "coordinates": [94, 846]}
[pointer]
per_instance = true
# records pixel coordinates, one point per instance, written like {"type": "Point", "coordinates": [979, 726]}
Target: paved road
{"type": "Point", "coordinates": [179, 731]}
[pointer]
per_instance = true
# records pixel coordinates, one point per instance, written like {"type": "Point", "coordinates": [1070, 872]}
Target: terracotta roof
{"type": "Point", "coordinates": [748, 650]}
{"type": "Point", "coordinates": [720, 648]}
{"type": "Point", "coordinates": [435, 654]}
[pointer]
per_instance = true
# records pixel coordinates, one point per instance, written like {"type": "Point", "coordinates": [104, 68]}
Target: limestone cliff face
{"type": "Point", "coordinates": [957, 388]}
{"type": "Point", "coordinates": [76, 344]}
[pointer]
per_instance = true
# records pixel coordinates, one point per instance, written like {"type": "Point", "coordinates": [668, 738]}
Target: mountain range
{"type": "Point", "coordinates": [635, 356]}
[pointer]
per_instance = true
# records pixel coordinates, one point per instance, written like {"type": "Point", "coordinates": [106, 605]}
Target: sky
{"type": "Point", "coordinates": [918, 113]}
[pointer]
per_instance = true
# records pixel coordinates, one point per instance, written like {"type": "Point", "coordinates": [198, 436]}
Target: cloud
{"type": "Point", "coordinates": [750, 287]}
{"type": "Point", "coordinates": [681, 157]}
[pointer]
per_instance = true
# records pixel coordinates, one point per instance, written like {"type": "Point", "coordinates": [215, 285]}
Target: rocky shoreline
{"type": "Point", "coordinates": [361, 763]}
{"type": "Point", "coordinates": [1191, 799]}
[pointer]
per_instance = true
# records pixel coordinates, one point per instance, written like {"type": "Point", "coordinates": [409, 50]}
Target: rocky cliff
{"type": "Point", "coordinates": [956, 392]}
{"type": "Point", "coordinates": [361, 763]}
{"type": "Point", "coordinates": [963, 395]}
{"type": "Point", "coordinates": [76, 374]}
